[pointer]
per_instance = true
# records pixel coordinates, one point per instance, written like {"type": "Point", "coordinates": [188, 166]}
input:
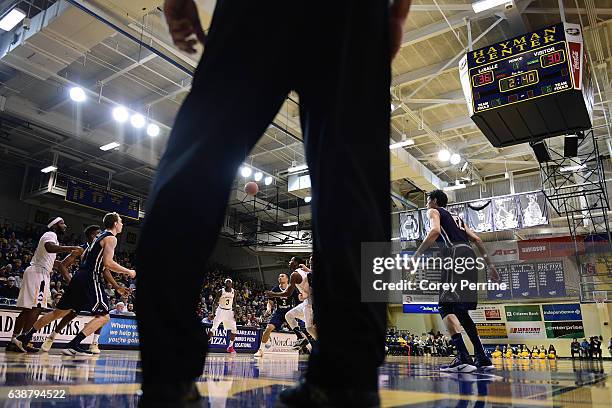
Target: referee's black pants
{"type": "Point", "coordinates": [335, 54]}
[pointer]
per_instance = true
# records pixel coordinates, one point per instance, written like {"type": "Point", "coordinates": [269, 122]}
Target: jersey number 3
{"type": "Point", "coordinates": [226, 302]}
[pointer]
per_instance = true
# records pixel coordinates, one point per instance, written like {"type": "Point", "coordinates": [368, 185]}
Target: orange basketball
{"type": "Point", "coordinates": [251, 188]}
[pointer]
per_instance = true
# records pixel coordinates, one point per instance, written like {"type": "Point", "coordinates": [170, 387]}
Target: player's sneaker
{"type": "Point", "coordinates": [259, 353]}
{"type": "Point", "coordinates": [31, 349]}
{"type": "Point", "coordinates": [19, 343]}
{"type": "Point", "coordinates": [308, 395]}
{"type": "Point", "coordinates": [13, 347]}
{"type": "Point", "coordinates": [484, 364]}
{"type": "Point", "coordinates": [46, 346]}
{"type": "Point", "coordinates": [300, 343]}
{"type": "Point", "coordinates": [94, 348]}
{"type": "Point", "coordinates": [231, 350]}
{"type": "Point", "coordinates": [77, 351]}
{"type": "Point", "coordinates": [459, 366]}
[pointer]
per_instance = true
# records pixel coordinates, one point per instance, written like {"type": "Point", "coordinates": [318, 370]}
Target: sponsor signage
{"type": "Point", "coordinates": [564, 330]}
{"type": "Point", "coordinates": [247, 339]}
{"type": "Point", "coordinates": [485, 313]}
{"type": "Point", "coordinates": [426, 308]}
{"type": "Point", "coordinates": [120, 331]}
{"type": "Point", "coordinates": [521, 330]}
{"type": "Point", "coordinates": [563, 311]}
{"type": "Point", "coordinates": [491, 330]}
{"type": "Point", "coordinates": [7, 323]}
{"type": "Point", "coordinates": [525, 313]}
{"type": "Point", "coordinates": [558, 247]}
{"type": "Point", "coordinates": [281, 343]}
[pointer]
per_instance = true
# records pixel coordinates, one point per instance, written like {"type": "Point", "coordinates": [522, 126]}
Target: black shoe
{"type": "Point", "coordinates": [307, 395]}
{"type": "Point", "coordinates": [483, 363]}
{"type": "Point", "coordinates": [179, 395]}
{"type": "Point", "coordinates": [76, 351]}
{"type": "Point", "coordinates": [31, 349]}
{"type": "Point", "coordinates": [21, 342]}
{"type": "Point", "coordinates": [300, 343]}
{"type": "Point", "coordinates": [12, 347]}
{"type": "Point", "coordinates": [460, 365]}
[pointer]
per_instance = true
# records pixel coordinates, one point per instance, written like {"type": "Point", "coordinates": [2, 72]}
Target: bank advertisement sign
{"type": "Point", "coordinates": [561, 311]}
{"type": "Point", "coordinates": [524, 313]}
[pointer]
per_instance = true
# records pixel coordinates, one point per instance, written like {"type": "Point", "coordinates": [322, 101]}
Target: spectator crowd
{"type": "Point", "coordinates": [406, 343]}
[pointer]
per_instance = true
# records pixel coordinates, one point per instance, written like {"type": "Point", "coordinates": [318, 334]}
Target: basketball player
{"type": "Point", "coordinates": [34, 291]}
{"type": "Point", "coordinates": [91, 233]}
{"type": "Point", "coordinates": [85, 289]}
{"type": "Point", "coordinates": [225, 313]}
{"type": "Point", "coordinates": [299, 279]}
{"type": "Point", "coordinates": [453, 236]}
{"type": "Point", "coordinates": [278, 318]}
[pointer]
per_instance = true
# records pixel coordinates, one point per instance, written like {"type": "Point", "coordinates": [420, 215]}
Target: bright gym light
{"type": "Point", "coordinates": [455, 158]}
{"type": "Point", "coordinates": [245, 171]}
{"type": "Point", "coordinates": [444, 155]}
{"type": "Point", "coordinates": [258, 176]}
{"type": "Point", "coordinates": [9, 21]}
{"type": "Point", "coordinates": [121, 114]}
{"type": "Point", "coordinates": [110, 146]}
{"type": "Point", "coordinates": [77, 94]}
{"type": "Point", "coordinates": [137, 120]}
{"type": "Point", "coordinates": [307, 199]}
{"type": "Point", "coordinates": [482, 5]}
{"type": "Point", "coordinates": [152, 130]}
{"type": "Point", "coordinates": [290, 224]}
{"type": "Point", "coordinates": [268, 180]}
{"type": "Point", "coordinates": [407, 142]}
{"type": "Point", "coordinates": [48, 169]}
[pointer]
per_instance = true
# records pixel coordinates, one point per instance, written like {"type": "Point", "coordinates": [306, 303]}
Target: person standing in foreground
{"type": "Point", "coordinates": [453, 237]}
{"type": "Point", "coordinates": [34, 291]}
{"type": "Point", "coordinates": [341, 71]}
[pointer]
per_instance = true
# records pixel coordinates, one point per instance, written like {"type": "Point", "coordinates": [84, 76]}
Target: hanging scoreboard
{"type": "Point", "coordinates": [530, 87]}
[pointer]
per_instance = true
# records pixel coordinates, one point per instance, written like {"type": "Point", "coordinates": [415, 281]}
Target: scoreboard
{"type": "Point", "coordinates": [530, 87]}
{"type": "Point", "coordinates": [100, 198]}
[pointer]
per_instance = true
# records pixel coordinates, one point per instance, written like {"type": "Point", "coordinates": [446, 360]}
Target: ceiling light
{"type": "Point", "coordinates": [482, 5]}
{"type": "Point", "coordinates": [457, 186]}
{"type": "Point", "coordinates": [290, 224]}
{"type": "Point", "coordinates": [120, 114]}
{"type": "Point", "coordinates": [258, 176]}
{"type": "Point", "coordinates": [152, 130]}
{"type": "Point", "coordinates": [572, 168]}
{"type": "Point", "coordinates": [48, 169]}
{"type": "Point", "coordinates": [77, 94]}
{"type": "Point", "coordinates": [464, 167]}
{"type": "Point", "coordinates": [506, 175]}
{"type": "Point", "coordinates": [245, 171]}
{"type": "Point", "coordinates": [268, 180]}
{"type": "Point", "coordinates": [110, 146]}
{"type": "Point", "coordinates": [455, 158]}
{"type": "Point", "coordinates": [407, 142]}
{"type": "Point", "coordinates": [295, 169]}
{"type": "Point", "coordinates": [137, 120]}
{"type": "Point", "coordinates": [307, 199]}
{"type": "Point", "coordinates": [444, 155]}
{"type": "Point", "coordinates": [393, 107]}
{"type": "Point", "coordinates": [11, 19]}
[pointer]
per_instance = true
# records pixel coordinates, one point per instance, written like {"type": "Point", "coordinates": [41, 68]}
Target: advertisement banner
{"type": "Point", "coordinates": [491, 330]}
{"type": "Point", "coordinates": [7, 323]}
{"type": "Point", "coordinates": [486, 313]}
{"type": "Point", "coordinates": [247, 339]}
{"type": "Point", "coordinates": [426, 308]}
{"type": "Point", "coordinates": [120, 331]}
{"type": "Point", "coordinates": [561, 311]}
{"type": "Point", "coordinates": [281, 343]}
{"type": "Point", "coordinates": [525, 330]}
{"type": "Point", "coordinates": [502, 251]}
{"type": "Point", "coordinates": [564, 330]}
{"type": "Point", "coordinates": [525, 313]}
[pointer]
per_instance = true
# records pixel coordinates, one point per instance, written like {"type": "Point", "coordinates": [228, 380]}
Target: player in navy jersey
{"type": "Point", "coordinates": [85, 289]}
{"type": "Point", "coordinates": [453, 237]}
{"type": "Point", "coordinates": [283, 305]}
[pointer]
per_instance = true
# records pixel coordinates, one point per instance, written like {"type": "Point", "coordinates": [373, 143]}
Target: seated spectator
{"type": "Point", "coordinates": [130, 310]}
{"type": "Point", "coordinates": [575, 348]}
{"type": "Point", "coordinates": [9, 290]}
{"type": "Point", "coordinates": [208, 319]}
{"type": "Point", "coordinates": [119, 309]}
{"type": "Point", "coordinates": [110, 292]}
{"type": "Point", "coordinates": [584, 349]}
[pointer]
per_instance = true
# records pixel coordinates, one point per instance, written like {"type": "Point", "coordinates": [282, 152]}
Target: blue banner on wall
{"type": "Point", "coordinates": [247, 339]}
{"type": "Point", "coordinates": [120, 331]}
{"type": "Point", "coordinates": [559, 312]}
{"type": "Point", "coordinates": [428, 308]}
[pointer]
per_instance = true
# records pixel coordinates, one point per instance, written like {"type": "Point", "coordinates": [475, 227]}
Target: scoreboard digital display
{"type": "Point", "coordinates": [99, 198]}
{"type": "Point", "coordinates": [504, 82]}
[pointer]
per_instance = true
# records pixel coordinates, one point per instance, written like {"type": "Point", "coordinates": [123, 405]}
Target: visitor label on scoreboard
{"type": "Point", "coordinates": [530, 280]}
{"type": "Point", "coordinates": [561, 311]}
{"type": "Point", "coordinates": [491, 330]}
{"type": "Point", "coordinates": [525, 330]}
{"type": "Point", "coordinates": [524, 313]}
{"type": "Point", "coordinates": [564, 330]}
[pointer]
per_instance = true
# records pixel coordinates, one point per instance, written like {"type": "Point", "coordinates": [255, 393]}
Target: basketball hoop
{"type": "Point", "coordinates": [600, 296]}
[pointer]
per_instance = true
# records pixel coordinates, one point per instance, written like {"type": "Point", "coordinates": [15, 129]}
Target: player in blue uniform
{"type": "Point", "coordinates": [85, 291]}
{"type": "Point", "coordinates": [283, 305]}
{"type": "Point", "coordinates": [453, 236]}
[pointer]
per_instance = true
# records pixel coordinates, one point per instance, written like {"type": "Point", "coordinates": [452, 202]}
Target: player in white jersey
{"type": "Point", "coordinates": [34, 291]}
{"type": "Point", "coordinates": [225, 313]}
{"type": "Point", "coordinates": [300, 279]}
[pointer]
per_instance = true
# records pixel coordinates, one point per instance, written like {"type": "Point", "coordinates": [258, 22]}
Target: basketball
{"type": "Point", "coordinates": [251, 188]}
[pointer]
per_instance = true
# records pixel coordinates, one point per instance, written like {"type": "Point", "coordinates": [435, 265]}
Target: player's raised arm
{"type": "Point", "coordinates": [295, 280]}
{"type": "Point", "coordinates": [108, 245]}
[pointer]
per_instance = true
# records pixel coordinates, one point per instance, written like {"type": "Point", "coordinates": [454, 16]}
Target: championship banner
{"type": "Point", "coordinates": [281, 343]}
{"type": "Point", "coordinates": [504, 277]}
{"type": "Point", "coordinates": [564, 330]}
{"type": "Point", "coordinates": [247, 339]}
{"type": "Point", "coordinates": [505, 212]}
{"type": "Point", "coordinates": [7, 323]}
{"type": "Point", "coordinates": [525, 313]}
{"type": "Point", "coordinates": [486, 313]}
{"type": "Point", "coordinates": [120, 331]}
{"type": "Point", "coordinates": [525, 330]}
{"type": "Point", "coordinates": [533, 209]}
{"type": "Point", "coordinates": [491, 330]}
{"type": "Point", "coordinates": [458, 209]}
{"type": "Point", "coordinates": [410, 226]}
{"type": "Point", "coordinates": [562, 311]}
{"type": "Point", "coordinates": [551, 279]}
{"type": "Point", "coordinates": [480, 216]}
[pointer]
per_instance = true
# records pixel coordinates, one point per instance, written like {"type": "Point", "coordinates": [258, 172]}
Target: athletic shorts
{"type": "Point", "coordinates": [225, 316]}
{"type": "Point", "coordinates": [455, 308]}
{"type": "Point", "coordinates": [85, 293]}
{"type": "Point", "coordinates": [303, 311]}
{"type": "Point", "coordinates": [278, 317]}
{"type": "Point", "coordinates": [34, 291]}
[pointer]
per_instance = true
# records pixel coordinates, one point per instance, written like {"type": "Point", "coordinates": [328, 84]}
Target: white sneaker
{"type": "Point", "coordinates": [94, 348]}
{"type": "Point", "coordinates": [259, 353]}
{"type": "Point", "coordinates": [46, 346]}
